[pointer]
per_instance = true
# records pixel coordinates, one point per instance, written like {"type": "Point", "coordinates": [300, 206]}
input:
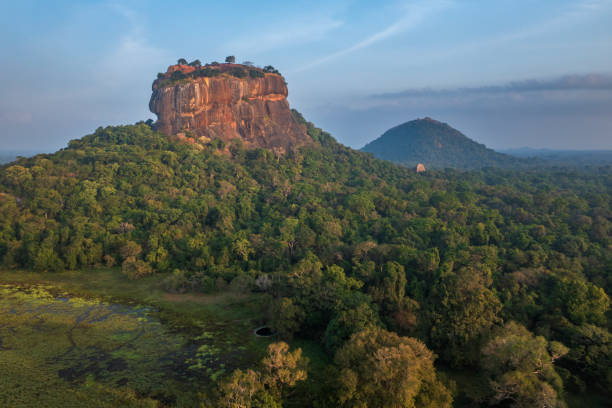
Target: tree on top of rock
{"type": "Point", "coordinates": [182, 61]}
{"type": "Point", "coordinates": [270, 69]}
{"type": "Point", "coordinates": [230, 59]}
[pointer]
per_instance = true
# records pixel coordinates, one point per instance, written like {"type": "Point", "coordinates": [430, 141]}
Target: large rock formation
{"type": "Point", "coordinates": [227, 102]}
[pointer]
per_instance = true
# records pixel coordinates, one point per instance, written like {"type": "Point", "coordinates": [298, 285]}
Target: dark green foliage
{"type": "Point", "coordinates": [520, 367]}
{"type": "Point", "coordinates": [182, 61]}
{"type": "Point", "coordinates": [347, 242]}
{"type": "Point", "coordinates": [381, 369]}
{"type": "Point", "coordinates": [177, 75]}
{"type": "Point", "coordinates": [255, 73]}
{"type": "Point", "coordinates": [581, 302]}
{"type": "Point", "coordinates": [347, 323]}
{"type": "Point", "coordinates": [206, 72]}
{"type": "Point", "coordinates": [230, 59]}
{"type": "Point", "coordinates": [237, 72]}
{"type": "Point", "coordinates": [589, 358]}
{"type": "Point", "coordinates": [280, 370]}
{"type": "Point", "coordinates": [462, 308]}
{"type": "Point", "coordinates": [436, 145]}
{"type": "Point", "coordinates": [270, 69]}
{"type": "Point", "coordinates": [212, 69]}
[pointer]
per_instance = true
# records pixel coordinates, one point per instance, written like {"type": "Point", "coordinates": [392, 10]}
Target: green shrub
{"type": "Point", "coordinates": [177, 282]}
{"type": "Point", "coordinates": [271, 70]}
{"type": "Point", "coordinates": [177, 75]}
{"type": "Point", "coordinates": [255, 73]}
{"type": "Point", "coordinates": [242, 283]}
{"type": "Point", "coordinates": [135, 268]}
{"type": "Point", "coordinates": [207, 284]}
{"type": "Point", "coordinates": [206, 72]}
{"type": "Point", "coordinates": [237, 72]}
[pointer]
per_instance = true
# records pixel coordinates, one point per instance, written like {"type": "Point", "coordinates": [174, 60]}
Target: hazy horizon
{"type": "Point", "coordinates": [507, 74]}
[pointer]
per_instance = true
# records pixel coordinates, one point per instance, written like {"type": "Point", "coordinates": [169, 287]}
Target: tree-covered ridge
{"type": "Point", "coordinates": [345, 244]}
{"type": "Point", "coordinates": [183, 71]}
{"type": "Point", "coordinates": [437, 145]}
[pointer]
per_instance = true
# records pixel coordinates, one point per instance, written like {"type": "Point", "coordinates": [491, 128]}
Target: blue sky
{"type": "Point", "coordinates": [508, 73]}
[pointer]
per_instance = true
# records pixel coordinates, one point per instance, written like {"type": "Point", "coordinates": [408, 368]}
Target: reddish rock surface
{"type": "Point", "coordinates": [254, 110]}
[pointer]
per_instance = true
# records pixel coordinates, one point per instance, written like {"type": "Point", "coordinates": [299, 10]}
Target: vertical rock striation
{"type": "Point", "coordinates": [226, 107]}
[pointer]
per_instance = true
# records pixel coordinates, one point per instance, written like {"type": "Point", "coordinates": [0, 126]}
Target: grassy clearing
{"type": "Point", "coordinates": [181, 311]}
{"type": "Point", "coordinates": [94, 338]}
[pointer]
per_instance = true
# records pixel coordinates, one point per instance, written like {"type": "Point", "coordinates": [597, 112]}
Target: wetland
{"type": "Point", "coordinates": [139, 348]}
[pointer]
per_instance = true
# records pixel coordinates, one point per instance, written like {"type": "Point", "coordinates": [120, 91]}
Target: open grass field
{"type": "Point", "coordinates": [94, 338]}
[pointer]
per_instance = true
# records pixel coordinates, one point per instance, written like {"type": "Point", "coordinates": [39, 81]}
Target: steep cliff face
{"type": "Point", "coordinates": [223, 106]}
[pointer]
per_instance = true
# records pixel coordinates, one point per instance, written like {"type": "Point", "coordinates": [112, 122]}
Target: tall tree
{"type": "Point", "coordinates": [520, 366]}
{"type": "Point", "coordinates": [381, 369]}
{"type": "Point", "coordinates": [461, 309]}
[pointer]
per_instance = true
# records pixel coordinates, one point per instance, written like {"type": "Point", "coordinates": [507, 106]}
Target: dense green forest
{"type": "Point", "coordinates": [400, 276]}
{"type": "Point", "coordinates": [437, 145]}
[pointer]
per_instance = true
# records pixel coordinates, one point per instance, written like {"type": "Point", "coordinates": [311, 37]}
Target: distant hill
{"type": "Point", "coordinates": [564, 157]}
{"type": "Point", "coordinates": [7, 156]}
{"type": "Point", "coordinates": [436, 145]}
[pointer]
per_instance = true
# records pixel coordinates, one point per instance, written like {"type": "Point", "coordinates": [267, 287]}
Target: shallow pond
{"type": "Point", "coordinates": [64, 351]}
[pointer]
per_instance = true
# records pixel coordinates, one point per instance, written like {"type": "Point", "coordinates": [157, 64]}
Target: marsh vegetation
{"type": "Point", "coordinates": [67, 344]}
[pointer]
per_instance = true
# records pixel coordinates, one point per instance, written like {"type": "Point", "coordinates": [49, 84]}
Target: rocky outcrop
{"type": "Point", "coordinates": [221, 105]}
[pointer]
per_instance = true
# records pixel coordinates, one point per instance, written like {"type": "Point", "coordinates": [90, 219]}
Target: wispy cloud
{"type": "Point", "coordinates": [571, 112]}
{"type": "Point", "coordinates": [132, 54]}
{"type": "Point", "coordinates": [590, 82]}
{"type": "Point", "coordinates": [413, 15]}
{"type": "Point", "coordinates": [569, 17]}
{"type": "Point", "coordinates": [594, 5]}
{"type": "Point", "coordinates": [295, 32]}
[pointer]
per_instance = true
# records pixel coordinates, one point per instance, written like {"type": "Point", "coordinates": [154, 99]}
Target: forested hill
{"type": "Point", "coordinates": [7, 156]}
{"type": "Point", "coordinates": [500, 273]}
{"type": "Point", "coordinates": [564, 157]}
{"type": "Point", "coordinates": [436, 145]}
